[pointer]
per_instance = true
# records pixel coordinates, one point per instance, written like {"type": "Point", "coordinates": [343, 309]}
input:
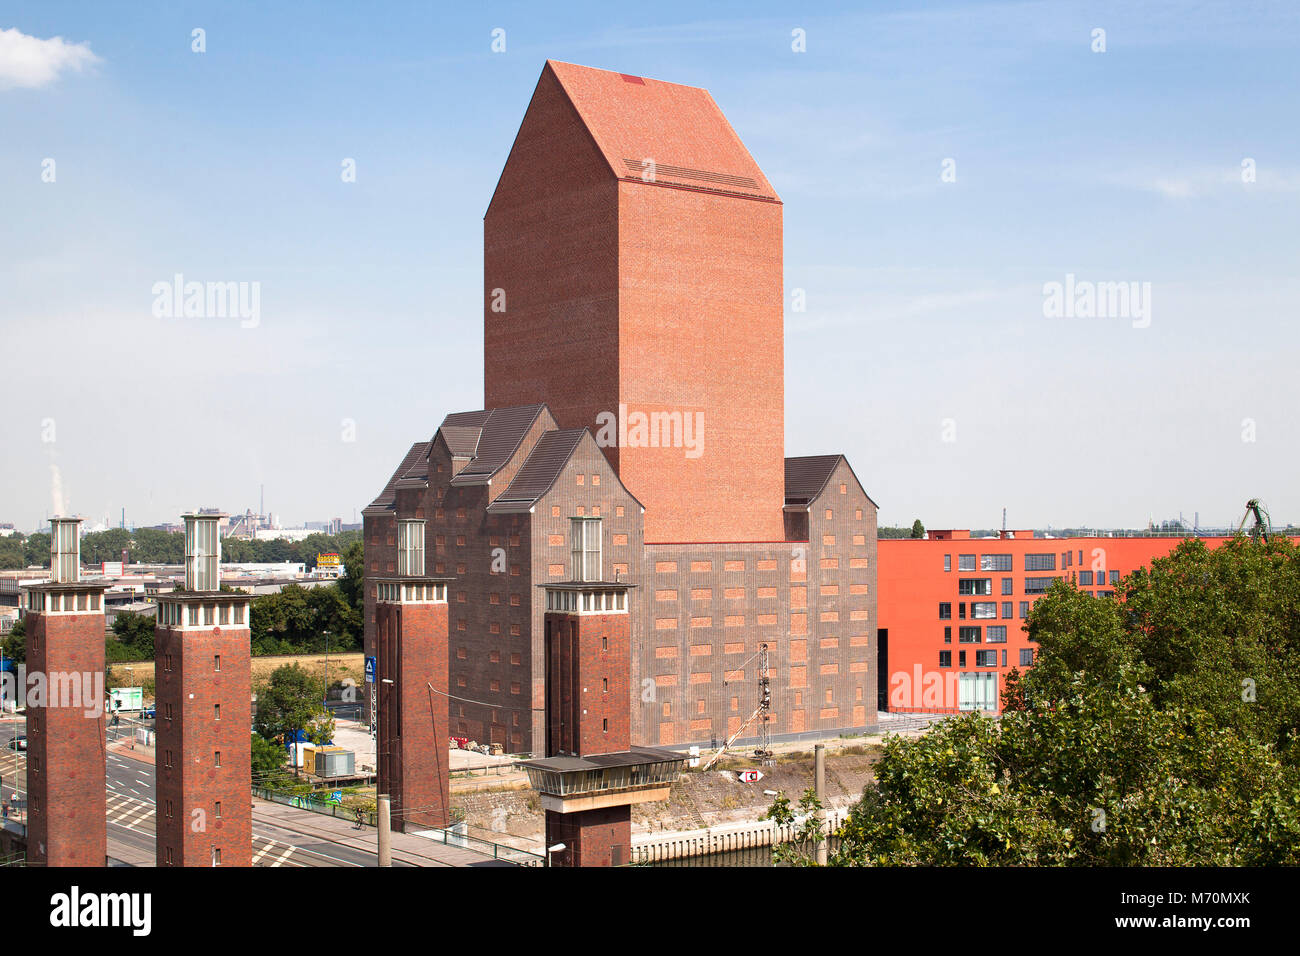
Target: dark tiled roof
{"type": "Point", "coordinates": [462, 440]}
{"type": "Point", "coordinates": [419, 452]}
{"type": "Point", "coordinates": [539, 471]}
{"type": "Point", "coordinates": [502, 431]}
{"type": "Point", "coordinates": [806, 477]}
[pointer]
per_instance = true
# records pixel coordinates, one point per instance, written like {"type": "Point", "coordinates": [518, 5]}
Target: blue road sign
{"type": "Point", "coordinates": [370, 670]}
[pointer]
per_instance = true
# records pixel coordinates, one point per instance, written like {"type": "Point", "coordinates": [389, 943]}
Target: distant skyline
{"type": "Point", "coordinates": [943, 167]}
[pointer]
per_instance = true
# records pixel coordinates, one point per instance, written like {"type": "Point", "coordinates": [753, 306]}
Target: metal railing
{"type": "Point", "coordinates": [459, 838]}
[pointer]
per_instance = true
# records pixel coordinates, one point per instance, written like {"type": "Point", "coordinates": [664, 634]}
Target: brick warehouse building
{"type": "Point", "coordinates": [633, 280]}
{"type": "Point", "coordinates": [953, 608]}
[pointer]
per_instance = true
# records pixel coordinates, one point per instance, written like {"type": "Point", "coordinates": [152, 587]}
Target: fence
{"type": "Point", "coordinates": [456, 836]}
{"type": "Point", "coordinates": [316, 803]}
{"type": "Point", "coordinates": [723, 839]}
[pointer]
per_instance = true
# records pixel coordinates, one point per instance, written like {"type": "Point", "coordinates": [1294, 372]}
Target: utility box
{"type": "Point", "coordinates": [335, 762]}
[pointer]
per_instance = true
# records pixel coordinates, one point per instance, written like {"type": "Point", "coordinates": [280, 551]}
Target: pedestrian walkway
{"type": "Point", "coordinates": [407, 847]}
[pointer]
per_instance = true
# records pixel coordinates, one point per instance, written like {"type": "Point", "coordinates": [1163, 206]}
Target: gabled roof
{"type": "Point", "coordinates": [500, 432]}
{"type": "Point", "coordinates": [680, 128]}
{"type": "Point", "coordinates": [539, 472]}
{"type": "Point", "coordinates": [418, 452]}
{"type": "Point", "coordinates": [806, 478]}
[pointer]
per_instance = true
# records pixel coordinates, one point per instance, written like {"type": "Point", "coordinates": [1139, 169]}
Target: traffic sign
{"type": "Point", "coordinates": [370, 670]}
{"type": "Point", "coordinates": [749, 776]}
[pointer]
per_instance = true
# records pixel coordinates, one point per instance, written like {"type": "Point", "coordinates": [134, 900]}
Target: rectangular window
{"type": "Point", "coordinates": [410, 547]}
{"type": "Point", "coordinates": [216, 662]}
{"type": "Point", "coordinates": [961, 658]}
{"type": "Point", "coordinates": [986, 658]}
{"type": "Point", "coordinates": [974, 585]}
{"type": "Point", "coordinates": [947, 635]}
{"type": "Point", "coordinates": [1008, 584]}
{"type": "Point", "coordinates": [203, 555]}
{"type": "Point", "coordinates": [1004, 657]}
{"type": "Point", "coordinates": [1024, 609]}
{"type": "Point", "coordinates": [984, 610]}
{"type": "Point", "coordinates": [1040, 562]}
{"type": "Point", "coordinates": [1038, 585]}
{"type": "Point", "coordinates": [945, 658]}
{"type": "Point", "coordinates": [995, 634]}
{"type": "Point", "coordinates": [218, 809]}
{"type": "Point", "coordinates": [216, 758]}
{"type": "Point", "coordinates": [947, 562]}
{"type": "Point", "coordinates": [1026, 656]}
{"type": "Point", "coordinates": [1114, 577]}
{"type": "Point", "coordinates": [968, 635]}
{"type": "Point", "coordinates": [995, 562]}
{"type": "Point", "coordinates": [945, 610]}
{"type": "Point", "coordinates": [965, 562]}
{"type": "Point", "coordinates": [584, 544]}
{"type": "Point", "coordinates": [1006, 609]}
{"type": "Point", "coordinates": [216, 711]}
{"type": "Point", "coordinates": [961, 610]}
{"type": "Point", "coordinates": [1085, 579]}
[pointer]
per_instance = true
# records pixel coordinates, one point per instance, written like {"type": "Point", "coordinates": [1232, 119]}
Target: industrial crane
{"type": "Point", "coordinates": [1260, 530]}
{"type": "Point", "coordinates": [762, 713]}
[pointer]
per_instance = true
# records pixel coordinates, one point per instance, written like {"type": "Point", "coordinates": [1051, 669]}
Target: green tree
{"type": "Point", "coordinates": [12, 553]}
{"type": "Point", "coordinates": [135, 631]}
{"type": "Point", "coordinates": [353, 583]}
{"type": "Point", "coordinates": [289, 702]}
{"type": "Point", "coordinates": [37, 548]}
{"type": "Point", "coordinates": [14, 643]}
{"type": "Point", "coordinates": [268, 760]}
{"type": "Point", "coordinates": [1154, 729]}
{"type": "Point", "coordinates": [918, 529]}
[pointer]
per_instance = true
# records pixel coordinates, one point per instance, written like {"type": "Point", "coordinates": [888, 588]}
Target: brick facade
{"type": "Point", "coordinates": [592, 837]}
{"type": "Point", "coordinates": [204, 723]}
{"type": "Point", "coordinates": [411, 648]}
{"type": "Point", "coordinates": [66, 738]}
{"type": "Point", "coordinates": [589, 683]}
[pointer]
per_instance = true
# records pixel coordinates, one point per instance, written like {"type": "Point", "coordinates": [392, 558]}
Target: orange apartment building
{"type": "Point", "coordinates": [952, 608]}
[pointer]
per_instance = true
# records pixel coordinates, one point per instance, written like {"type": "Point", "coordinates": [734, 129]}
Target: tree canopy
{"type": "Point", "coordinates": [1158, 728]}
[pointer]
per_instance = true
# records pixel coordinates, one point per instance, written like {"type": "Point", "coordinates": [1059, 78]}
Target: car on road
{"type": "Point", "coordinates": [149, 713]}
{"type": "Point", "coordinates": [18, 743]}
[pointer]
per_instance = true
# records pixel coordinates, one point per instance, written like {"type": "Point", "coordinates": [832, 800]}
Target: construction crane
{"type": "Point", "coordinates": [762, 713]}
{"type": "Point", "coordinates": [1260, 530]}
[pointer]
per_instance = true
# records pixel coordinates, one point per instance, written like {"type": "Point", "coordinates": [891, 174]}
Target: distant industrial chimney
{"type": "Point", "coordinates": [65, 550]}
{"type": "Point", "coordinates": [203, 551]}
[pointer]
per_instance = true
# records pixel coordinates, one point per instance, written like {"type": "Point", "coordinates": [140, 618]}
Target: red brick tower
{"type": "Point", "coordinates": [411, 674]}
{"type": "Point", "coordinates": [633, 275]}
{"type": "Point", "coordinates": [66, 823]}
{"type": "Point", "coordinates": [592, 775]}
{"type": "Point", "coordinates": [204, 694]}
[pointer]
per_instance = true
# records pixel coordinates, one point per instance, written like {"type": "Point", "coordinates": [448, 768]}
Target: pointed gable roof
{"type": "Point", "coordinates": [500, 432]}
{"type": "Point", "coordinates": [419, 452]}
{"type": "Point", "coordinates": [806, 478]}
{"type": "Point", "coordinates": [632, 119]}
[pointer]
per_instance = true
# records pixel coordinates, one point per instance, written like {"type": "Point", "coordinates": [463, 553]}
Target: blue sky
{"type": "Point", "coordinates": [924, 317]}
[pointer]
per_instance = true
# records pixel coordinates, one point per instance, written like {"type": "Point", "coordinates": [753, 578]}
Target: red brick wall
{"type": "Point", "coordinates": [550, 241]}
{"type": "Point", "coordinates": [65, 757]}
{"type": "Point", "coordinates": [413, 718]}
{"type": "Point", "coordinates": [589, 683]}
{"type": "Point", "coordinates": [189, 737]}
{"type": "Point", "coordinates": [701, 328]}
{"type": "Point", "coordinates": [662, 298]}
{"type": "Point", "coordinates": [592, 837]}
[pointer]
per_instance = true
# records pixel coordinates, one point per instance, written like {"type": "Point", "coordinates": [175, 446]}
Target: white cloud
{"type": "Point", "coordinates": [32, 62]}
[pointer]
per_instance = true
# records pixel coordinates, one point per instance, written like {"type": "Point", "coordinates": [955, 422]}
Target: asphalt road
{"type": "Point", "coordinates": [130, 809]}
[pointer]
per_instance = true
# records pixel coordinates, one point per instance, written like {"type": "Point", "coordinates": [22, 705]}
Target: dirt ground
{"type": "Point", "coordinates": [698, 800]}
{"type": "Point", "coordinates": [341, 666]}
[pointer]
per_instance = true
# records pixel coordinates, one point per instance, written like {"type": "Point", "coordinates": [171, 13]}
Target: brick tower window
{"type": "Point", "coordinates": [410, 547]}
{"type": "Point", "coordinates": [584, 538]}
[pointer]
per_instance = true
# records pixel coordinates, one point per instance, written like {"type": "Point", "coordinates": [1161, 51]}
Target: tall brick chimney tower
{"type": "Point", "coordinates": [592, 775]}
{"type": "Point", "coordinates": [204, 694]}
{"type": "Point", "coordinates": [632, 260]}
{"type": "Point", "coordinates": [412, 677]}
{"type": "Point", "coordinates": [66, 823]}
